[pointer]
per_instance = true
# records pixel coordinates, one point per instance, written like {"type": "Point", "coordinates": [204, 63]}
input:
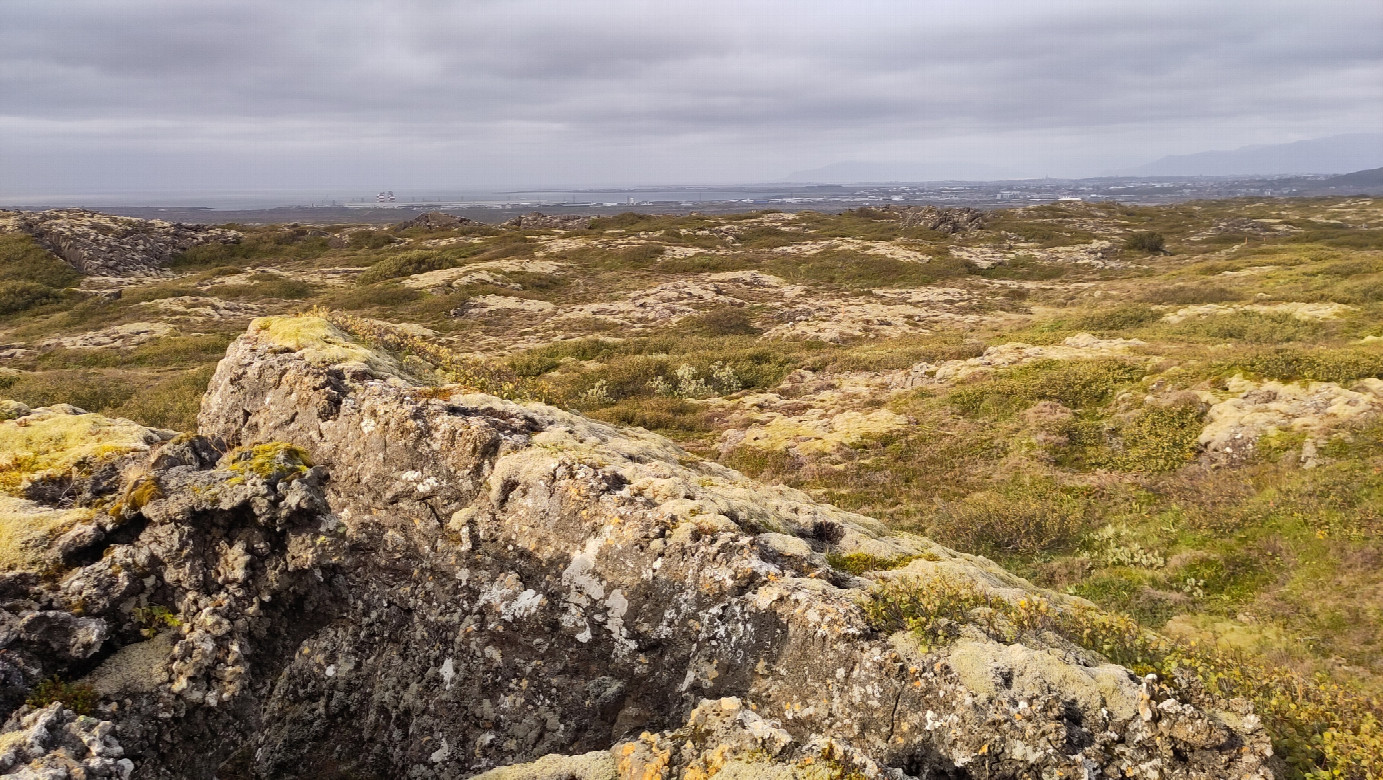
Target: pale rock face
{"type": "Point", "coordinates": [564, 599]}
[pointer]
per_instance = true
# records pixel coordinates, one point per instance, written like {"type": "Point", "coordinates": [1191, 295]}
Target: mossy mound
{"type": "Point", "coordinates": [322, 343]}
{"type": "Point", "coordinates": [56, 440]}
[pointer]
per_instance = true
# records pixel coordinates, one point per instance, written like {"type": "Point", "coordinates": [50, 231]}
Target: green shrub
{"type": "Point", "coordinates": [1148, 243]}
{"type": "Point", "coordinates": [19, 296]}
{"type": "Point", "coordinates": [656, 414]}
{"type": "Point", "coordinates": [1189, 294]}
{"type": "Point", "coordinates": [256, 243]}
{"type": "Point", "coordinates": [1160, 438]}
{"type": "Point", "coordinates": [1252, 327]}
{"type": "Point", "coordinates": [1075, 384]}
{"type": "Point", "coordinates": [266, 286]}
{"type": "Point", "coordinates": [1024, 517]}
{"type": "Point", "coordinates": [860, 270]}
{"type": "Point", "coordinates": [1292, 364]}
{"type": "Point", "coordinates": [77, 697]}
{"type": "Point", "coordinates": [23, 260]}
{"type": "Point", "coordinates": [721, 321]}
{"type": "Point", "coordinates": [406, 264]}
{"type": "Point", "coordinates": [1125, 317]}
{"type": "Point", "coordinates": [171, 403]}
{"type": "Point", "coordinates": [89, 390]}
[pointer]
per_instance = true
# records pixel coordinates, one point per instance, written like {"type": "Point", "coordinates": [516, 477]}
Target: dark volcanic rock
{"type": "Point", "coordinates": [434, 220]}
{"type": "Point", "coordinates": [939, 218]}
{"type": "Point", "coordinates": [104, 245]}
{"type": "Point", "coordinates": [539, 220]}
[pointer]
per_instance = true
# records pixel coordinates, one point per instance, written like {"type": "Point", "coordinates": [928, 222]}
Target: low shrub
{"type": "Point", "coordinates": [1075, 384]}
{"type": "Point", "coordinates": [721, 321]}
{"type": "Point", "coordinates": [1125, 317]}
{"type": "Point", "coordinates": [1024, 517]}
{"type": "Point", "coordinates": [171, 403]}
{"type": "Point", "coordinates": [20, 296]}
{"type": "Point", "coordinates": [406, 264]}
{"type": "Point", "coordinates": [77, 697]}
{"type": "Point", "coordinates": [1149, 243]}
{"type": "Point", "coordinates": [1291, 364]}
{"type": "Point", "coordinates": [1251, 327]}
{"type": "Point", "coordinates": [23, 260]}
{"type": "Point", "coordinates": [1189, 294]}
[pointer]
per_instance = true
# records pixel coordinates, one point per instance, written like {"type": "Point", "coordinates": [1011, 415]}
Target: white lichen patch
{"type": "Point", "coordinates": [1301, 311]}
{"type": "Point", "coordinates": [115, 337]}
{"type": "Point", "coordinates": [489, 272]}
{"type": "Point", "coordinates": [1256, 409]}
{"type": "Point", "coordinates": [1082, 346]}
{"type": "Point", "coordinates": [201, 307]}
{"type": "Point", "coordinates": [816, 432]}
{"type": "Point", "coordinates": [887, 249]}
{"type": "Point", "coordinates": [491, 304]}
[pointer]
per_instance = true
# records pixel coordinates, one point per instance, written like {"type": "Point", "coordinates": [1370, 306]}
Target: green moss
{"type": "Point", "coordinates": [273, 462]}
{"type": "Point", "coordinates": [56, 443]}
{"type": "Point", "coordinates": [860, 562]}
{"type": "Point", "coordinates": [79, 698]}
{"type": "Point", "coordinates": [1075, 384]}
{"type": "Point", "coordinates": [321, 343]}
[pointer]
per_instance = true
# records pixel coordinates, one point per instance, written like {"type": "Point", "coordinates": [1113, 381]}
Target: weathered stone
{"type": "Point", "coordinates": [463, 584]}
{"type": "Point", "coordinates": [105, 245]}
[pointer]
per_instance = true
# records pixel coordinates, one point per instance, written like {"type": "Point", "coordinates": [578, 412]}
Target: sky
{"type": "Point", "coordinates": [104, 96]}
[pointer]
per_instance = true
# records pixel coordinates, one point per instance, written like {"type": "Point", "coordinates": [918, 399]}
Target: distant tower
{"type": "Point", "coordinates": [391, 196]}
{"type": "Point", "coordinates": [380, 198]}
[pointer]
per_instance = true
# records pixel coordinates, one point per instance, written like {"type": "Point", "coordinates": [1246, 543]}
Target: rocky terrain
{"type": "Point", "coordinates": [349, 574]}
{"type": "Point", "coordinates": [102, 245]}
{"type": "Point", "coordinates": [1165, 420]}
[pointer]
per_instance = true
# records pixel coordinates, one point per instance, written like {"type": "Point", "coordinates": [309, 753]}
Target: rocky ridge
{"type": "Point", "coordinates": [349, 573]}
{"type": "Point", "coordinates": [111, 246]}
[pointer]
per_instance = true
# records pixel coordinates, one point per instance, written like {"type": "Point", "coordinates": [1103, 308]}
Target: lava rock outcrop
{"type": "Point", "coordinates": [106, 245]}
{"type": "Point", "coordinates": [351, 574]}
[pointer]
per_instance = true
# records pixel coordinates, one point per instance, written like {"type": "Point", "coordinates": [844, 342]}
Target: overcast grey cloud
{"type": "Point", "coordinates": [103, 95]}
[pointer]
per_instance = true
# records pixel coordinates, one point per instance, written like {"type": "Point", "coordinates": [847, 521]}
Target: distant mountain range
{"type": "Point", "coordinates": [1335, 154]}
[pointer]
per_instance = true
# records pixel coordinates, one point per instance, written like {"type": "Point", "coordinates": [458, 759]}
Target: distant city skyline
{"type": "Point", "coordinates": [158, 95]}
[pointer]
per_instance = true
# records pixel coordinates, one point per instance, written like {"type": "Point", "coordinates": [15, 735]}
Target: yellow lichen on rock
{"type": "Point", "coordinates": [321, 343]}
{"type": "Point", "coordinates": [56, 439]}
{"type": "Point", "coordinates": [26, 530]}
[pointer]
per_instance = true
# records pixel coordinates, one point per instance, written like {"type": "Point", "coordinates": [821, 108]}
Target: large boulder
{"type": "Point", "coordinates": [384, 579]}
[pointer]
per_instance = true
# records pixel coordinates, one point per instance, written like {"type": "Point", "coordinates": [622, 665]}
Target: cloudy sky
{"type": "Point", "coordinates": [117, 95]}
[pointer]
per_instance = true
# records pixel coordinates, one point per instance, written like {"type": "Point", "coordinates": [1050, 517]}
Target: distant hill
{"type": "Point", "coordinates": [859, 172]}
{"type": "Point", "coordinates": [1370, 179]}
{"type": "Point", "coordinates": [1335, 154]}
